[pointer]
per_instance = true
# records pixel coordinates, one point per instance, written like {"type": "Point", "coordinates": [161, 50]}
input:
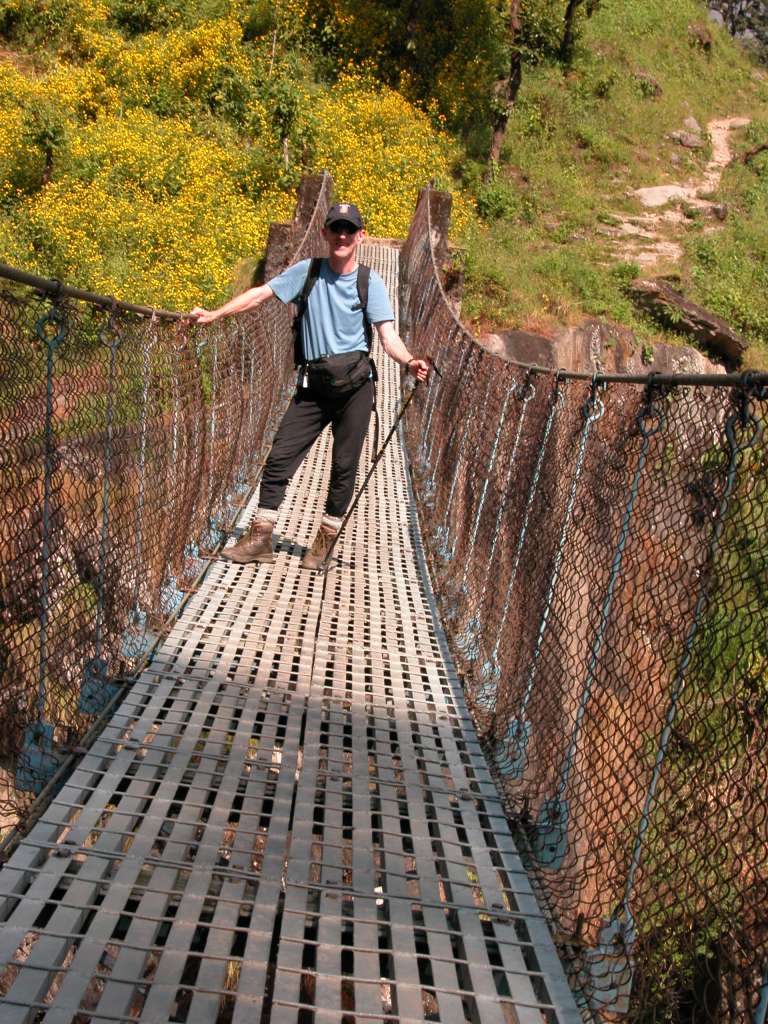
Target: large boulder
{"type": "Point", "coordinates": [671, 309]}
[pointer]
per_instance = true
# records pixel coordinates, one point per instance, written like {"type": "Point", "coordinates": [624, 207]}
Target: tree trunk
{"type": "Point", "coordinates": [569, 33]}
{"type": "Point", "coordinates": [506, 88]}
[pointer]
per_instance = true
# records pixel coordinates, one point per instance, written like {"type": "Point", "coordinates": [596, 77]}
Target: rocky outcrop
{"type": "Point", "coordinates": [673, 310]}
{"type": "Point", "coordinates": [595, 346]}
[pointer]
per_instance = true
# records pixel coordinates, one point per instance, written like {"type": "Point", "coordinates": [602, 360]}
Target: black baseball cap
{"type": "Point", "coordinates": [344, 212]}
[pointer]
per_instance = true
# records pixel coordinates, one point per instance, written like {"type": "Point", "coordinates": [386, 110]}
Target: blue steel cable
{"type": "Point", "coordinates": [53, 318]}
{"type": "Point", "coordinates": [467, 641]}
{"type": "Point", "coordinates": [429, 483]}
{"type": "Point", "coordinates": [133, 646]}
{"type": "Point", "coordinates": [96, 690]}
{"type": "Point", "coordinates": [479, 510]}
{"type": "Point", "coordinates": [425, 449]}
{"type": "Point", "coordinates": [761, 1013]}
{"type": "Point", "coordinates": [740, 418]}
{"type": "Point", "coordinates": [611, 962]}
{"type": "Point", "coordinates": [143, 449]}
{"type": "Point", "coordinates": [443, 533]}
{"type": "Point", "coordinates": [550, 842]}
{"type": "Point", "coordinates": [490, 672]}
{"type": "Point", "coordinates": [109, 335]}
{"type": "Point", "coordinates": [518, 731]}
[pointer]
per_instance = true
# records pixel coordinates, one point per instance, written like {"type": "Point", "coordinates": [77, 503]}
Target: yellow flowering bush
{"type": "Point", "coordinates": [163, 69]}
{"type": "Point", "coordinates": [150, 212]}
{"type": "Point", "coordinates": [147, 164]}
{"type": "Point", "coordinates": [380, 150]}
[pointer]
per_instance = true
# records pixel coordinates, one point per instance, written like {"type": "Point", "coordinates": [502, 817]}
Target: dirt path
{"type": "Point", "coordinates": [653, 237]}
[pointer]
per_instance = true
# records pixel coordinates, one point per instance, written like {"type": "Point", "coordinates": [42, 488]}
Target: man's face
{"type": "Point", "coordinates": [343, 238]}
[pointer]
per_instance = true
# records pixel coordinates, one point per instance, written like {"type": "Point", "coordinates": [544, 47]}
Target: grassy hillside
{"type": "Point", "coordinates": [578, 144]}
{"type": "Point", "coordinates": [145, 145]}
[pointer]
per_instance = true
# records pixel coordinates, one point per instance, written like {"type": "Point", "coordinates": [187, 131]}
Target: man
{"type": "Point", "coordinates": [332, 329]}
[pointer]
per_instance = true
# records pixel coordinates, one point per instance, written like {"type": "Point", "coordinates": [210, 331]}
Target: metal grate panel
{"type": "Point", "coordinates": [289, 818]}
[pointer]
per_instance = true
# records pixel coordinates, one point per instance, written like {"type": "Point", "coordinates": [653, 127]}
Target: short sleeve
{"type": "Point", "coordinates": [287, 285]}
{"type": "Point", "coordinates": [379, 306]}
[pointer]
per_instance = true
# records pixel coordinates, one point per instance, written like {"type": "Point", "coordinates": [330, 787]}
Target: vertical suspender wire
{"type": "Point", "coordinates": [36, 761]}
{"type": "Point", "coordinates": [53, 318]}
{"type": "Point", "coordinates": [467, 641]}
{"type": "Point", "coordinates": [453, 611]}
{"type": "Point", "coordinates": [109, 336]}
{"type": "Point", "coordinates": [137, 619]}
{"type": "Point", "coordinates": [212, 442]}
{"type": "Point", "coordinates": [425, 448]}
{"type": "Point", "coordinates": [739, 420]}
{"type": "Point", "coordinates": [761, 1013]}
{"type": "Point", "coordinates": [96, 691]}
{"type": "Point", "coordinates": [610, 962]}
{"type": "Point", "coordinates": [170, 596]}
{"type": "Point", "coordinates": [490, 671]}
{"type": "Point", "coordinates": [443, 533]}
{"type": "Point", "coordinates": [146, 352]}
{"type": "Point", "coordinates": [429, 485]}
{"type": "Point", "coordinates": [550, 842]}
{"type": "Point", "coordinates": [512, 749]}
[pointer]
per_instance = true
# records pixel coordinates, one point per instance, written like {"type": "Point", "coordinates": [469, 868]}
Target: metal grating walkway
{"type": "Point", "coordinates": [249, 841]}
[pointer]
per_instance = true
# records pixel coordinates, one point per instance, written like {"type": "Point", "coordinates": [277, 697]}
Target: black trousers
{"type": "Point", "coordinates": [305, 419]}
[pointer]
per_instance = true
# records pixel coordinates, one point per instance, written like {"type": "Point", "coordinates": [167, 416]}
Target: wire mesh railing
{"type": "Point", "coordinates": [598, 550]}
{"type": "Point", "coordinates": [128, 440]}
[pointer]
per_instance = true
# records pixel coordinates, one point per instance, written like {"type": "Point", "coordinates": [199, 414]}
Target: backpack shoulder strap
{"type": "Point", "coordinates": [363, 279]}
{"type": "Point", "coordinates": [309, 283]}
{"type": "Point", "coordinates": [301, 307]}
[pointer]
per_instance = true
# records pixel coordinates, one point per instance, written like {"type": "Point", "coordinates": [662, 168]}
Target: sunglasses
{"type": "Point", "coordinates": [343, 226]}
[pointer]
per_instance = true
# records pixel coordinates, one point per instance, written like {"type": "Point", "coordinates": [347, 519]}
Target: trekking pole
{"type": "Point", "coordinates": [374, 464]}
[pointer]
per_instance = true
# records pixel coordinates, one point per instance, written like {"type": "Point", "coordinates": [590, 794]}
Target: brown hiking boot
{"type": "Point", "coordinates": [255, 546]}
{"type": "Point", "coordinates": [314, 558]}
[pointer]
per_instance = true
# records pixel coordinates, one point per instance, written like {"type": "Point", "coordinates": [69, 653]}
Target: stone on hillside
{"type": "Point", "coordinates": [671, 309]}
{"type": "Point", "coordinates": [688, 139]}
{"type": "Point", "coordinates": [692, 125]}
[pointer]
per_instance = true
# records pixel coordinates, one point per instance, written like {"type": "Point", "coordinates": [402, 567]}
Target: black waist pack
{"type": "Point", "coordinates": [335, 376]}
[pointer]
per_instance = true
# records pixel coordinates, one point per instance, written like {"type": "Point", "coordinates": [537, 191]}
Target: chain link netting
{"type": "Point", "coordinates": [599, 555]}
{"type": "Point", "coordinates": [127, 446]}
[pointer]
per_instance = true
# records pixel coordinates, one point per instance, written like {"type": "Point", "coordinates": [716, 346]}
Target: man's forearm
{"type": "Point", "coordinates": [393, 344]}
{"type": "Point", "coordinates": [240, 304]}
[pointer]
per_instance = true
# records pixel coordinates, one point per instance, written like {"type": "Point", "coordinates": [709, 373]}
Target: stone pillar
{"type": "Point", "coordinates": [440, 215]}
{"type": "Point", "coordinates": [279, 249]}
{"type": "Point", "coordinates": [310, 188]}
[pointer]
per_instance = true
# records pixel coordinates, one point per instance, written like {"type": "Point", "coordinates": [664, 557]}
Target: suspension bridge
{"type": "Point", "coordinates": [506, 763]}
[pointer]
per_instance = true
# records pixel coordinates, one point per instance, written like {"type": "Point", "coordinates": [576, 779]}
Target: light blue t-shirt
{"type": "Point", "coordinates": [330, 325]}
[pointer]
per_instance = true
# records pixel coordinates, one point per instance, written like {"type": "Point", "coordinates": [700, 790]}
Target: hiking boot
{"type": "Point", "coordinates": [255, 546]}
{"type": "Point", "coordinates": [314, 558]}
